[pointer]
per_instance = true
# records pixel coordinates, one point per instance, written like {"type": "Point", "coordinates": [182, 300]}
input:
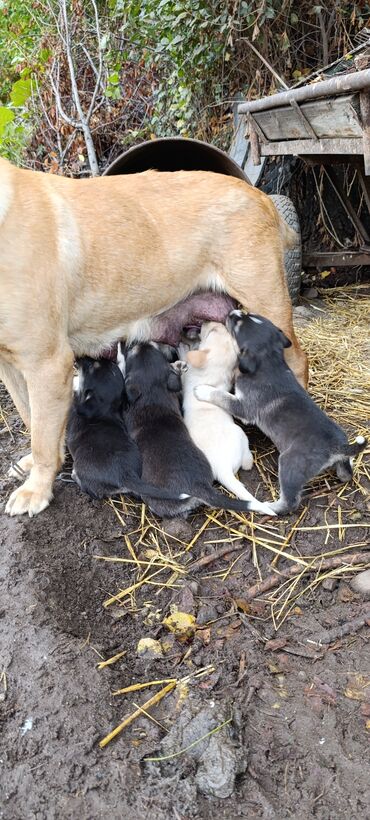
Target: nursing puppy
{"type": "Point", "coordinates": [212, 429]}
{"type": "Point", "coordinates": [170, 457]}
{"type": "Point", "coordinates": [267, 394]}
{"type": "Point", "coordinates": [106, 460]}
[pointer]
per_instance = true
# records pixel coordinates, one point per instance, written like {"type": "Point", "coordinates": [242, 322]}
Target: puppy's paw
{"type": "Point", "coordinates": [203, 392]}
{"type": "Point", "coordinates": [25, 499]}
{"type": "Point", "coordinates": [24, 465]}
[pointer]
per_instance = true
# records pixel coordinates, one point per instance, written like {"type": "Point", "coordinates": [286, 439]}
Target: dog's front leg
{"type": "Point", "coordinates": [50, 392]}
{"type": "Point", "coordinates": [226, 401]}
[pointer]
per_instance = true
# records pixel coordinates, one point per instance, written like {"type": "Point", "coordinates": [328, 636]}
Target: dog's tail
{"type": "Point", "coordinates": [139, 487]}
{"type": "Point", "coordinates": [355, 448]}
{"type": "Point", "coordinates": [211, 496]}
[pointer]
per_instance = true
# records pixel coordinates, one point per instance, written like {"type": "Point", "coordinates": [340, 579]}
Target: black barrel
{"type": "Point", "coordinates": [175, 154]}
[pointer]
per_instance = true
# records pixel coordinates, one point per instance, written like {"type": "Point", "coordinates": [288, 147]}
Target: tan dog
{"type": "Point", "coordinates": [84, 263]}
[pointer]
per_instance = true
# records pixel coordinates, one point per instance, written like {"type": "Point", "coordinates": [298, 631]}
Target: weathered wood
{"type": "Point", "coordinates": [255, 144]}
{"type": "Point", "coordinates": [324, 119]}
{"type": "Point", "coordinates": [336, 85]}
{"type": "Point", "coordinates": [240, 144]}
{"type": "Point", "coordinates": [365, 117]}
{"type": "Point", "coordinates": [305, 146]}
{"type": "Point", "coordinates": [337, 259]}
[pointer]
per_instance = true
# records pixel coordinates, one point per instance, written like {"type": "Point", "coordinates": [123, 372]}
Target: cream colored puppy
{"type": "Point", "coordinates": [213, 430]}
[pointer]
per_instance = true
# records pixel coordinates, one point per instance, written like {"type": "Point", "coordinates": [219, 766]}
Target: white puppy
{"type": "Point", "coordinates": [212, 429]}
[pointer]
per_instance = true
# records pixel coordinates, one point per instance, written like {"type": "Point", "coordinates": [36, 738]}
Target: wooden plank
{"type": "Point", "coordinates": [334, 117]}
{"type": "Point", "coordinates": [321, 259]}
{"type": "Point", "coordinates": [305, 146]}
{"type": "Point", "coordinates": [365, 117]}
{"type": "Point", "coordinates": [240, 144]}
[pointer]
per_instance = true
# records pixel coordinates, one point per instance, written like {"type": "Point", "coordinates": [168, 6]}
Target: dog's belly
{"type": "Point", "coordinates": [165, 327]}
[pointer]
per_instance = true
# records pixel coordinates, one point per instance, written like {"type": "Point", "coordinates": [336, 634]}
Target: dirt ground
{"type": "Point", "coordinates": [297, 741]}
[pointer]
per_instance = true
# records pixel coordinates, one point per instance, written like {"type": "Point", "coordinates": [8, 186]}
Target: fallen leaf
{"type": "Point", "coordinates": [275, 644]}
{"type": "Point", "coordinates": [181, 624]}
{"type": "Point", "coordinates": [240, 603]}
{"type": "Point", "coordinates": [150, 648]}
{"type": "Point", "coordinates": [204, 635]}
{"type": "Point", "coordinates": [358, 688]}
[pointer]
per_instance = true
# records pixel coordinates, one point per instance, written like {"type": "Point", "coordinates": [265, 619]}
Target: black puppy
{"type": "Point", "coordinates": [170, 457]}
{"type": "Point", "coordinates": [267, 394]}
{"type": "Point", "coordinates": [106, 460]}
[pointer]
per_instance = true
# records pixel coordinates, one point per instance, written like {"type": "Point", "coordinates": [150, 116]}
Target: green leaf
{"type": "Point", "coordinates": [6, 116]}
{"type": "Point", "coordinates": [20, 92]}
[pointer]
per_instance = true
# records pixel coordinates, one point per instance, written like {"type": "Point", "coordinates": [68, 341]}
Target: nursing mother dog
{"type": "Point", "coordinates": [84, 263]}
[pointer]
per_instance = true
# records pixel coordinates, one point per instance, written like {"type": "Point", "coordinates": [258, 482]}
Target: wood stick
{"type": "Point", "coordinates": [343, 629]}
{"type": "Point", "coordinates": [213, 556]}
{"type": "Point", "coordinates": [329, 563]}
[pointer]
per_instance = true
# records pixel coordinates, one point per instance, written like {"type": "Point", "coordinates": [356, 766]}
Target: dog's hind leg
{"type": "Point", "coordinates": [247, 456]}
{"type": "Point", "coordinates": [50, 392]}
{"type": "Point", "coordinates": [344, 469]}
{"type": "Point", "coordinates": [293, 475]}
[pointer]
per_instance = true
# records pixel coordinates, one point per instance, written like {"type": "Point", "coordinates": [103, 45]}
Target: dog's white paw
{"type": "Point", "coordinates": [203, 392]}
{"type": "Point", "coordinates": [24, 465]}
{"type": "Point", "coordinates": [27, 500]}
{"type": "Point", "coordinates": [247, 463]}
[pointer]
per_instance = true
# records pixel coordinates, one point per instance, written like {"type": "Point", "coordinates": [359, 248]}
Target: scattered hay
{"type": "Point", "coordinates": [338, 349]}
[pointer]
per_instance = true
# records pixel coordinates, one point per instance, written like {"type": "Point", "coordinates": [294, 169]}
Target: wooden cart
{"type": "Point", "coordinates": [325, 122]}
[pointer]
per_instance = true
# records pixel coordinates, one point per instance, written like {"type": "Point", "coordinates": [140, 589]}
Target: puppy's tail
{"type": "Point", "coordinates": [289, 235]}
{"type": "Point", "coordinates": [138, 487]}
{"type": "Point", "coordinates": [355, 448]}
{"type": "Point", "coordinates": [211, 496]}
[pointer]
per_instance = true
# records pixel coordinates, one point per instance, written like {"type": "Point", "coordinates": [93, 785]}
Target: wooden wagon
{"type": "Point", "coordinates": [325, 122]}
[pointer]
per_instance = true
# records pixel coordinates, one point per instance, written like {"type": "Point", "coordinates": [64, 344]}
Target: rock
{"type": "Point", "coordinates": [206, 613]}
{"type": "Point", "coordinates": [330, 584]}
{"type": "Point", "coordinates": [310, 293]}
{"type": "Point", "coordinates": [361, 583]}
{"type": "Point", "coordinates": [178, 528]}
{"type": "Point", "coordinates": [218, 758]}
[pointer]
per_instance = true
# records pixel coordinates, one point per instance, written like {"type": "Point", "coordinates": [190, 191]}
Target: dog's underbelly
{"type": "Point", "coordinates": [165, 327]}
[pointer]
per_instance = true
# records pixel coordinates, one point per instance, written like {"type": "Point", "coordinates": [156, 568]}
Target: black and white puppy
{"type": "Point", "coordinates": [170, 457]}
{"type": "Point", "coordinates": [106, 460]}
{"type": "Point", "coordinates": [268, 395]}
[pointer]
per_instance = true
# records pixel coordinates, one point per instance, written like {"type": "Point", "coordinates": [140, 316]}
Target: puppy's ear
{"type": "Point", "coordinates": [285, 340]}
{"type": "Point", "coordinates": [132, 390]}
{"type": "Point", "coordinates": [197, 358]}
{"type": "Point", "coordinates": [248, 362]}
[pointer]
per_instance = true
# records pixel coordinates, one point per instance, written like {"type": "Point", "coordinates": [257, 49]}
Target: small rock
{"type": "Point", "coordinates": [178, 528]}
{"type": "Point", "coordinates": [310, 293]}
{"type": "Point", "coordinates": [206, 613]}
{"type": "Point", "coordinates": [330, 584]}
{"type": "Point", "coordinates": [361, 583]}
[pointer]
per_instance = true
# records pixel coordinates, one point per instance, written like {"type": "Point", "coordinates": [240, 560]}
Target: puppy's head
{"type": "Point", "coordinates": [217, 347]}
{"type": "Point", "coordinates": [148, 367]}
{"type": "Point", "coordinates": [257, 338]}
{"type": "Point", "coordinates": [101, 388]}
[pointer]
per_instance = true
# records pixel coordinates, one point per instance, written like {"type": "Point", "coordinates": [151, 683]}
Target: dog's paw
{"type": "Point", "coordinates": [203, 392]}
{"type": "Point", "coordinates": [27, 500]}
{"type": "Point", "coordinates": [247, 462]}
{"type": "Point", "coordinates": [24, 465]}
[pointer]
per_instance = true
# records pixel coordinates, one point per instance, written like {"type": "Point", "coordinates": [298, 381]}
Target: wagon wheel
{"type": "Point", "coordinates": [293, 257]}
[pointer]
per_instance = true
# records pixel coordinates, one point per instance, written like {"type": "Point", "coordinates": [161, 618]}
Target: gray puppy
{"type": "Point", "coordinates": [268, 395]}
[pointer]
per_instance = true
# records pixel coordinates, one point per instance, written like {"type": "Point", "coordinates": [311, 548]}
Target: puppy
{"type": "Point", "coordinates": [170, 457]}
{"type": "Point", "coordinates": [106, 460]}
{"type": "Point", "coordinates": [267, 394]}
{"type": "Point", "coordinates": [212, 429]}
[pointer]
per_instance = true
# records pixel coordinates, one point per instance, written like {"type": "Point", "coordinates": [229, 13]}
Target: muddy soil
{"type": "Point", "coordinates": [297, 744]}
